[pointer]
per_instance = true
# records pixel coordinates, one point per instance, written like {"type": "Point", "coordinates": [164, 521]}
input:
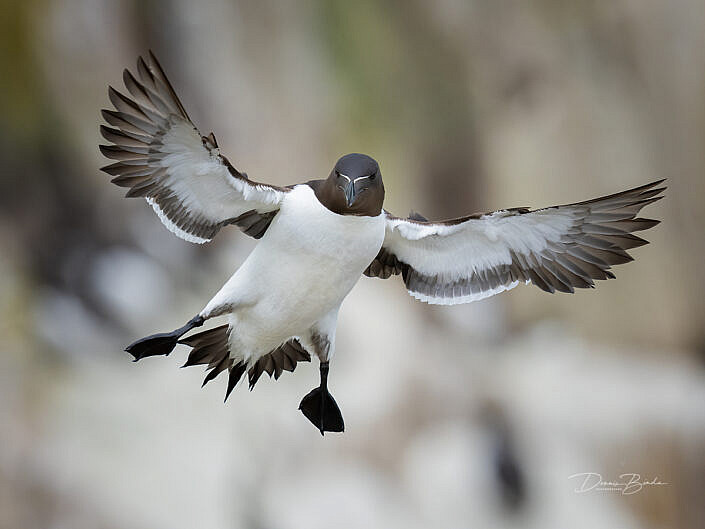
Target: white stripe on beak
{"type": "Point", "coordinates": [354, 180]}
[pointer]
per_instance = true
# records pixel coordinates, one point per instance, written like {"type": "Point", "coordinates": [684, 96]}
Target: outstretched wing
{"type": "Point", "coordinates": [160, 155]}
{"type": "Point", "coordinates": [558, 248]}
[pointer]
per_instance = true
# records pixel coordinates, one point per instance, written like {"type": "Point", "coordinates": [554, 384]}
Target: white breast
{"type": "Point", "coordinates": [307, 262]}
{"type": "Point", "coordinates": [310, 233]}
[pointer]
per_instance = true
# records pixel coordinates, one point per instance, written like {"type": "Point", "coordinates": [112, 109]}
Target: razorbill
{"type": "Point", "coordinates": [316, 239]}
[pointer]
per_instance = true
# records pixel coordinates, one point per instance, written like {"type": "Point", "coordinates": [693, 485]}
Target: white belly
{"type": "Point", "coordinates": [307, 262]}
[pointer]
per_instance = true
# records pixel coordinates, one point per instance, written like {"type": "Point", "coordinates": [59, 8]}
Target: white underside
{"type": "Point", "coordinates": [202, 183]}
{"type": "Point", "coordinates": [460, 251]}
{"type": "Point", "coordinates": [173, 228]}
{"type": "Point", "coordinates": [297, 276]}
{"type": "Point", "coordinates": [433, 300]}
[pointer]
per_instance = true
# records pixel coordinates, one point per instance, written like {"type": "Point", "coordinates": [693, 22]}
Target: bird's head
{"type": "Point", "coordinates": [354, 186]}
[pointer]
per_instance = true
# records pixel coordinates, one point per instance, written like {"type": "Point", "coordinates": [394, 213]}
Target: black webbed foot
{"type": "Point", "coordinates": [153, 345]}
{"type": "Point", "coordinates": [162, 343]}
{"type": "Point", "coordinates": [320, 407]}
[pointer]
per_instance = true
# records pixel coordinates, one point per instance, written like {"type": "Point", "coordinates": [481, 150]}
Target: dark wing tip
{"type": "Point", "coordinates": [641, 224]}
{"type": "Point", "coordinates": [105, 131]}
{"type": "Point", "coordinates": [646, 186]}
{"type": "Point", "coordinates": [105, 113]}
{"type": "Point", "coordinates": [647, 201]}
{"type": "Point", "coordinates": [415, 215]}
{"type": "Point", "coordinates": [106, 150]}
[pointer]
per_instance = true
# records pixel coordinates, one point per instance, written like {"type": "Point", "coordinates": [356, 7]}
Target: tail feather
{"type": "Point", "coordinates": [212, 348]}
{"type": "Point", "coordinates": [283, 358]}
{"type": "Point", "coordinates": [236, 373]}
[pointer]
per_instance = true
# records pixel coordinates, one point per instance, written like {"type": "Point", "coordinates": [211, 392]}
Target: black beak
{"type": "Point", "coordinates": [350, 194]}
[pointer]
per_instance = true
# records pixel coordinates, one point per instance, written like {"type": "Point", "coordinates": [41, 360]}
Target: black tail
{"type": "Point", "coordinates": [212, 348]}
{"type": "Point", "coordinates": [320, 408]}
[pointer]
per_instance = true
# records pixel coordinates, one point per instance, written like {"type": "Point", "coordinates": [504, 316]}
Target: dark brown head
{"type": "Point", "coordinates": [354, 187]}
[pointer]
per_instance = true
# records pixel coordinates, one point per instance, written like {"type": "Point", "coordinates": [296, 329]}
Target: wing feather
{"type": "Point", "coordinates": [559, 248]}
{"type": "Point", "coordinates": [161, 156]}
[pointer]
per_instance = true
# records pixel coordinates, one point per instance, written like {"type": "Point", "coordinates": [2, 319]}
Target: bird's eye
{"type": "Point", "coordinates": [372, 176]}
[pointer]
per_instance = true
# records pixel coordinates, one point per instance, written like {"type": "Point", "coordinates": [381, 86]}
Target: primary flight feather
{"type": "Point", "coordinates": [319, 237]}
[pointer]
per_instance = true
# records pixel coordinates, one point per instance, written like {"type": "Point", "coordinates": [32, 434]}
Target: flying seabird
{"type": "Point", "coordinates": [316, 240]}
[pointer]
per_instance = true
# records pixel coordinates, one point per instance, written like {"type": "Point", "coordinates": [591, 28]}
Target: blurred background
{"type": "Point", "coordinates": [466, 416]}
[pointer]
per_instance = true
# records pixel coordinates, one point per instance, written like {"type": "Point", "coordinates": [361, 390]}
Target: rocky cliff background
{"type": "Point", "coordinates": [469, 416]}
